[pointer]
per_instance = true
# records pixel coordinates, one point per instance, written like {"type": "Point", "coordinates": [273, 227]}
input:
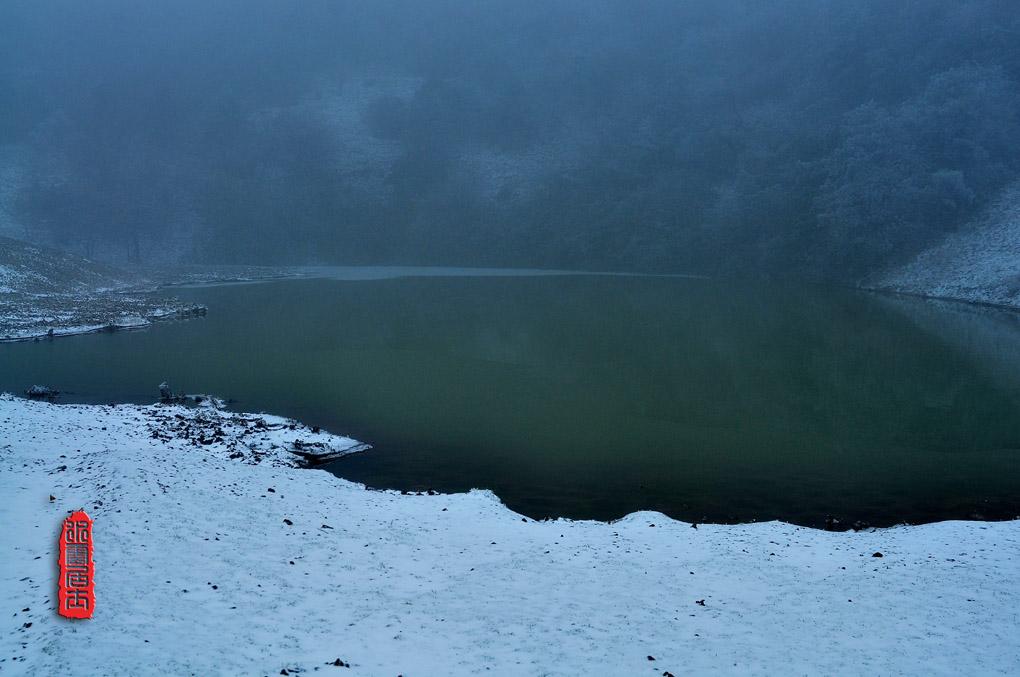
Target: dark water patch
{"type": "Point", "coordinates": [592, 397]}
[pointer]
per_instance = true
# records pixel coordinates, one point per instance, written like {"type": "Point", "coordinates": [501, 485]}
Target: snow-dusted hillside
{"type": "Point", "coordinates": [208, 564]}
{"type": "Point", "coordinates": [32, 269]}
{"type": "Point", "coordinates": [979, 263]}
{"type": "Point", "coordinates": [12, 181]}
{"type": "Point", "coordinates": [364, 162]}
{"type": "Point", "coordinates": [44, 289]}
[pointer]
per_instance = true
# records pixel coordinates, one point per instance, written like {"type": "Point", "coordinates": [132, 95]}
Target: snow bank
{"type": "Point", "coordinates": [208, 564]}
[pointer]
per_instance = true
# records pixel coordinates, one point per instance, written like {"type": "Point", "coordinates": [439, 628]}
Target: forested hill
{"type": "Point", "coordinates": [820, 139]}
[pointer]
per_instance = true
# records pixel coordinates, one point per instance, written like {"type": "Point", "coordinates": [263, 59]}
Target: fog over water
{"type": "Point", "coordinates": [813, 139]}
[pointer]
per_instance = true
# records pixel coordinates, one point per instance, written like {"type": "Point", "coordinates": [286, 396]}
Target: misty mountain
{"type": "Point", "coordinates": [819, 139]}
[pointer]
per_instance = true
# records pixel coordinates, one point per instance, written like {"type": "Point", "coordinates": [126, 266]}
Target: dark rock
{"type": "Point", "coordinates": [41, 392]}
{"type": "Point", "coordinates": [878, 554]}
{"type": "Point", "coordinates": [165, 394]}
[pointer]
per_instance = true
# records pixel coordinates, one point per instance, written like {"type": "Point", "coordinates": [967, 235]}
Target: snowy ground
{"type": "Point", "coordinates": [208, 564]}
{"type": "Point", "coordinates": [980, 263]}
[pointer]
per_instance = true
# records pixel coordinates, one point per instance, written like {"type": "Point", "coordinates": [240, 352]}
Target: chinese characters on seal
{"type": "Point", "coordinates": [77, 597]}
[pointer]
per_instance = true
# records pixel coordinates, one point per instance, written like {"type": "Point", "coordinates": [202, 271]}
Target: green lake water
{"type": "Point", "coordinates": [595, 396]}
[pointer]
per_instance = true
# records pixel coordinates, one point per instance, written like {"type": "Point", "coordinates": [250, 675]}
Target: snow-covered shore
{"type": "Point", "coordinates": [45, 293]}
{"type": "Point", "coordinates": [208, 564]}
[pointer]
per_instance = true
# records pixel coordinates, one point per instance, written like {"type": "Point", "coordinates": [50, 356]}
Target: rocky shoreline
{"type": "Point", "coordinates": [27, 317]}
{"type": "Point", "coordinates": [45, 293]}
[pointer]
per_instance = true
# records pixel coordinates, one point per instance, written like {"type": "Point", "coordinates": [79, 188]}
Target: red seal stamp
{"type": "Point", "coordinates": [77, 597]}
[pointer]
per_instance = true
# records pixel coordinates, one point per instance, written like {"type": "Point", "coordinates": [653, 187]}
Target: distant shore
{"type": "Point", "coordinates": [38, 303]}
{"type": "Point", "coordinates": [65, 309]}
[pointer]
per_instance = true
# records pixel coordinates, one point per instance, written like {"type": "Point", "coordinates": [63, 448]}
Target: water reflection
{"type": "Point", "coordinates": [595, 396]}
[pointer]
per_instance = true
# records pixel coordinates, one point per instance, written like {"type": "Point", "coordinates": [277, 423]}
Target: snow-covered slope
{"type": "Point", "coordinates": [13, 177]}
{"type": "Point", "coordinates": [33, 269]}
{"type": "Point", "coordinates": [980, 263]}
{"type": "Point", "coordinates": [43, 289]}
{"type": "Point", "coordinates": [208, 564]}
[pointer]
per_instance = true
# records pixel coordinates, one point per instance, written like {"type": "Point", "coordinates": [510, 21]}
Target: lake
{"type": "Point", "coordinates": [591, 396]}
